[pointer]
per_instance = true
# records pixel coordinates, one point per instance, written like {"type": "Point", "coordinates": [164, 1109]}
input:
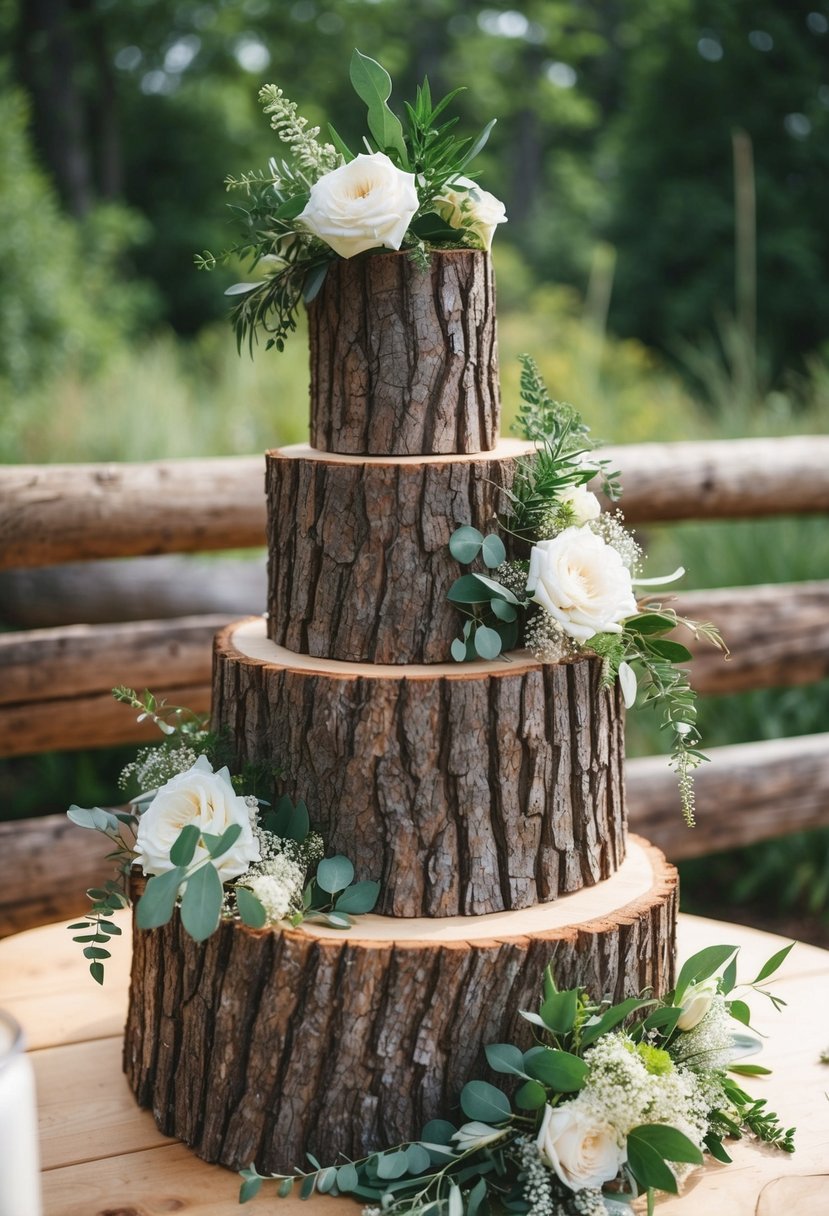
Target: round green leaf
{"type": "Point", "coordinates": [493, 551]}
{"type": "Point", "coordinates": [504, 611]}
{"type": "Point", "coordinates": [155, 907]}
{"type": "Point", "coordinates": [347, 1177]}
{"type": "Point", "coordinates": [250, 908]}
{"type": "Point", "coordinates": [418, 1159]}
{"type": "Point", "coordinates": [201, 904]}
{"type": "Point", "coordinates": [558, 1069]}
{"type": "Point", "coordinates": [392, 1165]}
{"type": "Point", "coordinates": [438, 1131]}
{"type": "Point", "coordinates": [674, 652]}
{"type": "Point", "coordinates": [359, 898]}
{"type": "Point", "coordinates": [465, 544]}
{"type": "Point", "coordinates": [335, 874]}
{"type": "Point", "coordinates": [326, 1179]}
{"type": "Point", "coordinates": [184, 846]}
{"type": "Point", "coordinates": [487, 642]}
{"type": "Point", "coordinates": [480, 1100]}
{"type": "Point", "coordinates": [469, 589]}
{"type": "Point", "coordinates": [503, 1057]}
{"type": "Point", "coordinates": [531, 1096]}
{"type": "Point", "coordinates": [458, 650]}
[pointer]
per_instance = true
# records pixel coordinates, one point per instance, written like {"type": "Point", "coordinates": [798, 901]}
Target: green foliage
{"type": "Point", "coordinates": [492, 1163]}
{"type": "Point", "coordinates": [64, 298]}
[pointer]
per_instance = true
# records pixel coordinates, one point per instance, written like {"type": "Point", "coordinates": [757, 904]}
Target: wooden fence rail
{"type": "Point", "coordinates": [61, 513]}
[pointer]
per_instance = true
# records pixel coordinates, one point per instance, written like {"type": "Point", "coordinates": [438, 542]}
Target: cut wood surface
{"type": "Point", "coordinates": [414, 369]}
{"type": "Point", "coordinates": [261, 1046]}
{"type": "Point", "coordinates": [747, 792]}
{"type": "Point", "coordinates": [46, 986]}
{"type": "Point", "coordinates": [94, 720]}
{"type": "Point", "coordinates": [359, 565]}
{"type": "Point", "coordinates": [65, 513]}
{"type": "Point", "coordinates": [461, 789]}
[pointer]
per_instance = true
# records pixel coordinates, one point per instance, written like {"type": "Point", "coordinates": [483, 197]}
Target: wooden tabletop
{"type": "Point", "coordinates": [102, 1156]}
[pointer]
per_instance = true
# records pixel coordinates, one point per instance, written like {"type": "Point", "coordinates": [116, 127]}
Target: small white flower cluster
{"type": "Point", "coordinates": [547, 641]}
{"type": "Point", "coordinates": [154, 766]}
{"type": "Point", "coordinates": [513, 576]}
{"type": "Point", "coordinates": [305, 854]}
{"type": "Point", "coordinates": [622, 1090]}
{"type": "Point", "coordinates": [612, 530]}
{"type": "Point", "coordinates": [588, 1202]}
{"type": "Point", "coordinates": [293, 131]}
{"type": "Point", "coordinates": [277, 884]}
{"type": "Point", "coordinates": [709, 1043]}
{"type": "Point", "coordinates": [537, 1182]}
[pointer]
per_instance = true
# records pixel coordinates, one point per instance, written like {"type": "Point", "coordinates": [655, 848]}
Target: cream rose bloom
{"type": "Point", "coordinates": [472, 208]}
{"type": "Point", "coordinates": [582, 582]}
{"type": "Point", "coordinates": [696, 1004]}
{"type": "Point", "coordinates": [581, 1152]}
{"type": "Point", "coordinates": [583, 503]}
{"type": "Point", "coordinates": [206, 799]}
{"type": "Point", "coordinates": [366, 204]}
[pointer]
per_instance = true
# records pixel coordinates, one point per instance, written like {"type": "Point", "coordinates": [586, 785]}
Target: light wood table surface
{"type": "Point", "coordinates": [102, 1156]}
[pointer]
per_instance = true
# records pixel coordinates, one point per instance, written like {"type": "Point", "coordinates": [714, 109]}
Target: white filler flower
{"type": "Point", "coordinates": [472, 208]}
{"type": "Point", "coordinates": [209, 801]}
{"type": "Point", "coordinates": [582, 1152]}
{"type": "Point", "coordinates": [365, 204]}
{"type": "Point", "coordinates": [582, 582]}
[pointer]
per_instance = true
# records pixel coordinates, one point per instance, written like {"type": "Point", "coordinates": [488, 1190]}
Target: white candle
{"type": "Point", "coordinates": [19, 1158]}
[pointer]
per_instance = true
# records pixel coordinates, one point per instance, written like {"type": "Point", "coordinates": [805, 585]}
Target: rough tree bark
{"type": "Point", "coordinates": [464, 789]}
{"type": "Point", "coordinates": [264, 1045]}
{"type": "Point", "coordinates": [403, 360]}
{"type": "Point", "coordinates": [359, 564]}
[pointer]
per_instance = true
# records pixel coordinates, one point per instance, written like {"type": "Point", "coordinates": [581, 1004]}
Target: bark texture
{"type": "Point", "coordinates": [260, 1046]}
{"type": "Point", "coordinates": [404, 361]}
{"type": "Point", "coordinates": [359, 565]}
{"type": "Point", "coordinates": [477, 791]}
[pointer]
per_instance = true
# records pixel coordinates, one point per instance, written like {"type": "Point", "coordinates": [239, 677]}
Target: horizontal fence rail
{"type": "Point", "coordinates": [61, 513]}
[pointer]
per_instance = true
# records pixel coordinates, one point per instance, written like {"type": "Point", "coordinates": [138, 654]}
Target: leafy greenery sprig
{"type": "Point", "coordinates": [292, 264]}
{"type": "Point", "coordinates": [492, 1163]}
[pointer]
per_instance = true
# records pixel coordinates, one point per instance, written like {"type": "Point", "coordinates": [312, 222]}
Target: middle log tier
{"type": "Point", "coordinates": [359, 565]}
{"type": "Point", "coordinates": [462, 788]}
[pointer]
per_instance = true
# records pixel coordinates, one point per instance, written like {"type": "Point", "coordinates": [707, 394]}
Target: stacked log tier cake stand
{"type": "Point", "coordinates": [487, 798]}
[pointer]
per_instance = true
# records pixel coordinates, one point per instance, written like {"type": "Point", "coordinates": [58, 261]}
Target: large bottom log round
{"type": "Point", "coordinates": [262, 1046]}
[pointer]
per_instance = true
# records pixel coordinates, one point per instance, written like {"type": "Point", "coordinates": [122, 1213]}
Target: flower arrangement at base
{"type": "Point", "coordinates": [409, 190]}
{"type": "Point", "coordinates": [570, 588]}
{"type": "Point", "coordinates": [611, 1103]}
{"type": "Point", "coordinates": [209, 845]}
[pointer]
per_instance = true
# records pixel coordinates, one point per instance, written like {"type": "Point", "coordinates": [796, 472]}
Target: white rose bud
{"type": "Point", "coordinates": [366, 204]}
{"type": "Point", "coordinates": [696, 1004]}
{"type": "Point", "coordinates": [583, 503]}
{"type": "Point", "coordinates": [476, 1135]}
{"type": "Point", "coordinates": [209, 801]}
{"type": "Point", "coordinates": [472, 208]}
{"type": "Point", "coordinates": [582, 582]}
{"type": "Point", "coordinates": [583, 1153]}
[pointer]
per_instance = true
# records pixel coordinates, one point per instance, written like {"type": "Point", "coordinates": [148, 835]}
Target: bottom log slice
{"type": "Point", "coordinates": [463, 788]}
{"type": "Point", "coordinates": [264, 1045]}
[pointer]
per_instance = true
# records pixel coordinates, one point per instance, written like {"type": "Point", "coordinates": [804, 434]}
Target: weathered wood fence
{"type": "Point", "coordinates": [54, 683]}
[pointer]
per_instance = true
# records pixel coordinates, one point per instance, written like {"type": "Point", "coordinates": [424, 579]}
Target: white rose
{"type": "Point", "coordinates": [696, 1004]}
{"type": "Point", "coordinates": [582, 582]}
{"type": "Point", "coordinates": [206, 799]}
{"type": "Point", "coordinates": [472, 208]}
{"type": "Point", "coordinates": [365, 204]}
{"type": "Point", "coordinates": [584, 504]}
{"type": "Point", "coordinates": [582, 1153]}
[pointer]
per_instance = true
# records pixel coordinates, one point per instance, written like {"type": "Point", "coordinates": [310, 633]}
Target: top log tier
{"type": "Point", "coordinates": [404, 361]}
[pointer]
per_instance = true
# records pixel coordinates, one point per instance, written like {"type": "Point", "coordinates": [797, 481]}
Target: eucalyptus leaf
{"type": "Point", "coordinates": [495, 588]}
{"type": "Point", "coordinates": [201, 904]}
{"type": "Point", "coordinates": [184, 846]}
{"type": "Point", "coordinates": [487, 642]}
{"type": "Point", "coordinates": [249, 1189]}
{"type": "Point", "coordinates": [504, 1057]}
{"type": "Point", "coordinates": [480, 1100]}
{"type": "Point", "coordinates": [438, 1131]}
{"type": "Point", "coordinates": [358, 898]}
{"type": "Point", "coordinates": [493, 551]}
{"type": "Point", "coordinates": [155, 907]}
{"type": "Point", "coordinates": [326, 1179]}
{"type": "Point", "coordinates": [465, 544]}
{"type": "Point", "coordinates": [418, 1159]}
{"type": "Point", "coordinates": [334, 874]}
{"type": "Point", "coordinates": [237, 289]}
{"type": "Point", "coordinates": [347, 1177]}
{"type": "Point", "coordinates": [93, 817]}
{"type": "Point", "coordinates": [458, 650]}
{"type": "Point", "coordinates": [250, 908]}
{"type": "Point", "coordinates": [476, 1197]}
{"type": "Point", "coordinates": [468, 590]}
{"type": "Point", "coordinates": [392, 1165]}
{"type": "Point", "coordinates": [504, 611]}
{"type": "Point", "coordinates": [531, 1096]}
{"type": "Point", "coordinates": [455, 1200]}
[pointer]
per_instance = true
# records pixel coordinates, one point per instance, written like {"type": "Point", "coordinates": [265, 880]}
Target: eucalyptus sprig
{"type": "Point", "coordinates": [498, 1160]}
